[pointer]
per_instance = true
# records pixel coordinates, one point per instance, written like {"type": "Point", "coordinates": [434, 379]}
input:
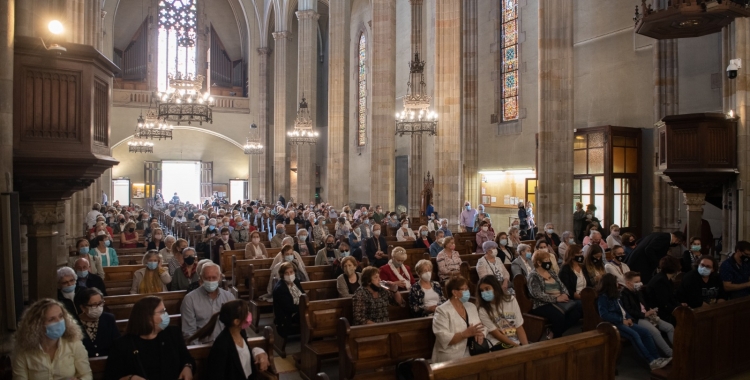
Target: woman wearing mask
{"type": "Point", "coordinates": [593, 264]}
{"type": "Point", "coordinates": [225, 242]}
{"type": "Point", "coordinates": [104, 253]}
{"type": "Point", "coordinates": [157, 240]}
{"type": "Point", "coordinates": [617, 267]}
{"type": "Point", "coordinates": [541, 244]}
{"type": "Point", "coordinates": [426, 295]}
{"type": "Point", "coordinates": [484, 235]}
{"type": "Point", "coordinates": [129, 238]}
{"type": "Point", "coordinates": [329, 254]}
{"type": "Point", "coordinates": [396, 271]}
{"type": "Point", "coordinates": [255, 249]}
{"type": "Point", "coordinates": [405, 233]}
{"type": "Point", "coordinates": [692, 255]}
{"type": "Point", "coordinates": [320, 231]}
{"type": "Point", "coordinates": [491, 265]}
{"type": "Point", "coordinates": [287, 255]}
{"type": "Point", "coordinates": [240, 233]}
{"type": "Point", "coordinates": [286, 295]}
{"type": "Point", "coordinates": [566, 241]}
{"type": "Point", "coordinates": [500, 315]}
{"type": "Point", "coordinates": [303, 245]}
{"type": "Point", "coordinates": [187, 273]}
{"type": "Point", "coordinates": [166, 253]}
{"type": "Point", "coordinates": [371, 300]}
{"type": "Point", "coordinates": [150, 348]}
{"type": "Point", "coordinates": [176, 261]}
{"type": "Point", "coordinates": [514, 237]}
{"type": "Point", "coordinates": [48, 344]}
{"type": "Point", "coordinates": [121, 224]}
{"type": "Point", "coordinates": [99, 328]}
{"type": "Point", "coordinates": [522, 264]}
{"type": "Point", "coordinates": [348, 282]}
{"type": "Point", "coordinates": [342, 228]}
{"type": "Point", "coordinates": [448, 260]}
{"type": "Point", "coordinates": [423, 240]}
{"type": "Point", "coordinates": [614, 237]}
{"type": "Point", "coordinates": [550, 296]}
{"type": "Point", "coordinates": [83, 250]}
{"type": "Point", "coordinates": [505, 253]}
{"type": "Point", "coordinates": [573, 274]}
{"type": "Point", "coordinates": [456, 323]}
{"type": "Point", "coordinates": [151, 279]}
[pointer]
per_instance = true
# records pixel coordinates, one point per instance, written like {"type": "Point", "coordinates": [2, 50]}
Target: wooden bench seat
{"type": "Point", "coordinates": [320, 290]}
{"type": "Point", "coordinates": [119, 279]}
{"type": "Point", "coordinates": [121, 306]}
{"type": "Point", "coordinates": [364, 349]}
{"type": "Point", "coordinates": [130, 251]}
{"type": "Point", "coordinates": [533, 325]}
{"type": "Point", "coordinates": [589, 355]}
{"type": "Point", "coordinates": [200, 354]}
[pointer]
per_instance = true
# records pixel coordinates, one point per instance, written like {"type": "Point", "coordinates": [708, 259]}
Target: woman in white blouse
{"type": "Point", "coordinates": [456, 321]}
{"type": "Point", "coordinates": [425, 295]}
{"type": "Point", "coordinates": [489, 264]}
{"type": "Point", "coordinates": [255, 249]}
{"type": "Point", "coordinates": [405, 233]}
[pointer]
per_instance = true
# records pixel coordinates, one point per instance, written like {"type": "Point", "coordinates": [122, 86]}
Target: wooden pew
{"type": "Point", "coordinates": [710, 342]}
{"type": "Point", "coordinates": [589, 355]}
{"type": "Point", "coordinates": [226, 261]}
{"type": "Point", "coordinates": [591, 317]}
{"type": "Point", "coordinates": [119, 279]}
{"type": "Point", "coordinates": [174, 320]}
{"type": "Point", "coordinates": [130, 251]}
{"type": "Point", "coordinates": [533, 325]}
{"type": "Point", "coordinates": [121, 306]}
{"type": "Point", "coordinates": [200, 354]}
{"type": "Point", "coordinates": [413, 255]}
{"type": "Point", "coordinates": [318, 324]}
{"type": "Point", "coordinates": [130, 259]}
{"type": "Point", "coordinates": [320, 272]}
{"type": "Point", "coordinates": [372, 347]}
{"type": "Point", "coordinates": [402, 244]}
{"type": "Point", "coordinates": [320, 290]}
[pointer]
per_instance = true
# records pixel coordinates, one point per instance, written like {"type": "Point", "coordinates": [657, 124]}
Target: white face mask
{"type": "Point", "coordinates": [95, 312]}
{"type": "Point", "coordinates": [485, 228]}
{"type": "Point", "coordinates": [376, 232]}
{"type": "Point", "coordinates": [426, 276]}
{"type": "Point", "coordinates": [637, 286]}
{"type": "Point", "coordinates": [289, 278]}
{"type": "Point", "coordinates": [406, 226]}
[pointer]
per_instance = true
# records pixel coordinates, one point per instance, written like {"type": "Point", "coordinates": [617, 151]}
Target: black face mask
{"type": "Point", "coordinates": [131, 230]}
{"type": "Point", "coordinates": [374, 288]}
{"type": "Point", "coordinates": [620, 258]}
{"type": "Point", "coordinates": [579, 259]}
{"type": "Point", "coordinates": [547, 266]}
{"type": "Point", "coordinates": [329, 245]}
{"type": "Point", "coordinates": [189, 260]}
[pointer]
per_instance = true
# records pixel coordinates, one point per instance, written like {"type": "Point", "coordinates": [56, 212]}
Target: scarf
{"type": "Point", "coordinates": [151, 282]}
{"type": "Point", "coordinates": [188, 271]}
{"type": "Point", "coordinates": [258, 251]}
{"type": "Point", "coordinates": [405, 278]}
{"type": "Point", "coordinates": [294, 290]}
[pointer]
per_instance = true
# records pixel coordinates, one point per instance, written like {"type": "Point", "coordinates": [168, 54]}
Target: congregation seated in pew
{"type": "Point", "coordinates": [376, 247]}
{"type": "Point", "coordinates": [500, 314]}
{"type": "Point", "coordinates": [128, 237]}
{"type": "Point", "coordinates": [425, 295]}
{"type": "Point", "coordinates": [348, 282]}
{"type": "Point", "coordinates": [153, 278]}
{"type": "Point", "coordinates": [255, 249]}
{"type": "Point", "coordinates": [177, 260]}
{"type": "Point", "coordinates": [631, 297]}
{"type": "Point", "coordinates": [448, 260]}
{"type": "Point", "coordinates": [303, 245]}
{"type": "Point", "coordinates": [370, 302]}
{"type": "Point", "coordinates": [522, 264]}
{"type": "Point", "coordinates": [329, 253]}
{"type": "Point", "coordinates": [86, 279]}
{"type": "Point", "coordinates": [99, 328]}
{"type": "Point", "coordinates": [396, 271]}
{"type": "Point", "coordinates": [437, 245]}
{"type": "Point", "coordinates": [103, 251]}
{"type": "Point", "coordinates": [490, 264]}
{"type": "Point", "coordinates": [456, 323]}
{"type": "Point", "coordinates": [702, 286]}
{"type": "Point", "coordinates": [67, 286]}
{"type": "Point", "coordinates": [286, 295]}
{"type": "Point", "coordinates": [84, 250]}
{"type": "Point", "coordinates": [287, 255]}
{"type": "Point", "coordinates": [550, 297]}
{"type": "Point", "coordinates": [573, 273]}
{"type": "Point", "coordinates": [201, 304]}
{"type": "Point", "coordinates": [187, 272]}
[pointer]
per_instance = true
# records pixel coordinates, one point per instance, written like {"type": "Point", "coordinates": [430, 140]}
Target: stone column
{"type": "Point", "coordinates": [6, 94]}
{"type": "Point", "coordinates": [555, 171]}
{"type": "Point", "coordinates": [280, 163]}
{"type": "Point", "coordinates": [307, 70]}
{"type": "Point", "coordinates": [470, 109]}
{"type": "Point", "coordinates": [382, 174]}
{"type": "Point", "coordinates": [264, 188]}
{"type": "Point", "coordinates": [93, 23]}
{"type": "Point", "coordinates": [416, 168]}
{"type": "Point", "coordinates": [76, 21]}
{"type": "Point", "coordinates": [448, 103]}
{"type": "Point", "coordinates": [337, 186]}
{"type": "Point", "coordinates": [694, 203]}
{"type": "Point", "coordinates": [45, 223]}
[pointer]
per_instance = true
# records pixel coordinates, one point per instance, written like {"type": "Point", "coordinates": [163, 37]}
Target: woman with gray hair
{"type": "Point", "coordinates": [566, 241]}
{"type": "Point", "coordinates": [166, 253]}
{"type": "Point", "coordinates": [514, 237]}
{"type": "Point", "coordinates": [490, 265]}
{"type": "Point", "coordinates": [522, 264]}
{"type": "Point", "coordinates": [67, 286]}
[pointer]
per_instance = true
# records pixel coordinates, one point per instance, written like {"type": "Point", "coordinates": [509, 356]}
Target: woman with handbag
{"type": "Point", "coordinates": [500, 313]}
{"type": "Point", "coordinates": [550, 297]}
{"type": "Point", "coordinates": [458, 330]}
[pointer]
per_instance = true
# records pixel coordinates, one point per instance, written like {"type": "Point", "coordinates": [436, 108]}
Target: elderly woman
{"type": "Point", "coordinates": [286, 295]}
{"type": "Point", "coordinates": [370, 301]}
{"type": "Point", "coordinates": [491, 265]}
{"type": "Point", "coordinates": [67, 286]}
{"type": "Point", "coordinates": [348, 282]}
{"type": "Point", "coordinates": [240, 234]}
{"type": "Point", "coordinates": [166, 253]}
{"type": "Point", "coordinates": [329, 253]}
{"type": "Point", "coordinates": [187, 273]}
{"type": "Point", "coordinates": [255, 249]}
{"type": "Point", "coordinates": [303, 245]}
{"type": "Point", "coordinates": [426, 295]}
{"type": "Point", "coordinates": [522, 264]}
{"type": "Point", "coordinates": [405, 233]}
{"type": "Point", "coordinates": [151, 279]}
{"type": "Point", "coordinates": [129, 238]}
{"type": "Point", "coordinates": [103, 254]}
{"type": "Point", "coordinates": [423, 240]}
{"type": "Point", "coordinates": [484, 235]}
{"type": "Point", "coordinates": [550, 297]}
{"type": "Point", "coordinates": [396, 271]}
{"type": "Point", "coordinates": [565, 242]}
{"type": "Point", "coordinates": [456, 323]}
{"type": "Point", "coordinates": [319, 231]}
{"type": "Point", "coordinates": [287, 255]}
{"type": "Point", "coordinates": [83, 250]}
{"type": "Point", "coordinates": [48, 344]}
{"type": "Point", "coordinates": [448, 260]}
{"type": "Point", "coordinates": [514, 237]}
{"type": "Point", "coordinates": [614, 237]}
{"type": "Point", "coordinates": [100, 329]}
{"type": "Point", "coordinates": [150, 348]}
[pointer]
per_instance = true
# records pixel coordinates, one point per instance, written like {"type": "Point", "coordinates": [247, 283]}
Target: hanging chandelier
{"type": "Point", "coordinates": [184, 102]}
{"type": "Point", "coordinates": [140, 145]}
{"type": "Point", "coordinates": [152, 128]}
{"type": "Point", "coordinates": [303, 132]}
{"type": "Point", "coordinates": [252, 144]}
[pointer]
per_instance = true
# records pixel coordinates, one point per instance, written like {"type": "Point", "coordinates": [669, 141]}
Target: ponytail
{"type": "Point", "coordinates": [205, 331]}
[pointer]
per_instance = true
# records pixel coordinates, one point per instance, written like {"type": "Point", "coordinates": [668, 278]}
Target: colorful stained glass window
{"type": "Point", "coordinates": [509, 59]}
{"type": "Point", "coordinates": [362, 93]}
{"type": "Point", "coordinates": [178, 24]}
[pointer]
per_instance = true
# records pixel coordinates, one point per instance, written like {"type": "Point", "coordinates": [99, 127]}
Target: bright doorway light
{"type": "Point", "coordinates": [120, 191]}
{"type": "Point", "coordinates": [237, 190]}
{"type": "Point", "coordinates": [55, 27]}
{"type": "Point", "coordinates": [183, 178]}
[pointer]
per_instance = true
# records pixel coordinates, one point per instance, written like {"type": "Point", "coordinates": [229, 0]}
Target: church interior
{"type": "Point", "coordinates": [426, 119]}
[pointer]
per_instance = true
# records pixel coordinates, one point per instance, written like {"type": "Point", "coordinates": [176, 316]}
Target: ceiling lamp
{"type": "Point", "coordinates": [303, 132]}
{"type": "Point", "coordinates": [684, 19]}
{"type": "Point", "coordinates": [253, 145]}
{"type": "Point", "coordinates": [140, 145]}
{"type": "Point", "coordinates": [152, 128]}
{"type": "Point", "coordinates": [183, 102]}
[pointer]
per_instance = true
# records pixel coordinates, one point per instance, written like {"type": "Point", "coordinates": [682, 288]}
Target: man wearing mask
{"type": "Point", "coordinates": [645, 257]}
{"type": "Point", "coordinates": [280, 235]}
{"type": "Point", "coordinates": [735, 271]}
{"type": "Point", "coordinates": [199, 305]}
{"type": "Point", "coordinates": [376, 248]}
{"type": "Point", "coordinates": [86, 279]}
{"type": "Point", "coordinates": [467, 218]}
{"type": "Point", "coordinates": [379, 215]}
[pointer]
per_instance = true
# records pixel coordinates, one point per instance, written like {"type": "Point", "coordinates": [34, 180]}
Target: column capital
{"type": "Point", "coordinates": [694, 201]}
{"type": "Point", "coordinates": [264, 51]}
{"type": "Point", "coordinates": [283, 34]}
{"type": "Point", "coordinates": [307, 14]}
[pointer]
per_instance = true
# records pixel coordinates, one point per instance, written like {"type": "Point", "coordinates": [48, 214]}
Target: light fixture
{"type": "Point", "coordinates": [252, 144]}
{"type": "Point", "coordinates": [303, 132]}
{"type": "Point", "coordinates": [140, 145]}
{"type": "Point", "coordinates": [56, 28]}
{"type": "Point", "coordinates": [184, 102]}
{"type": "Point", "coordinates": [731, 115]}
{"type": "Point", "coordinates": [152, 128]}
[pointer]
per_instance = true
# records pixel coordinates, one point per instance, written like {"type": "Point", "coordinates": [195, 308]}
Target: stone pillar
{"type": "Point", "coordinates": [264, 183]}
{"type": "Point", "coordinates": [416, 177]}
{"type": "Point", "coordinates": [76, 21]}
{"type": "Point", "coordinates": [93, 24]}
{"type": "Point", "coordinates": [337, 186]}
{"type": "Point", "coordinates": [555, 171]}
{"type": "Point", "coordinates": [694, 203]}
{"type": "Point", "coordinates": [382, 161]}
{"type": "Point", "coordinates": [45, 223]}
{"type": "Point", "coordinates": [280, 163]}
{"type": "Point", "coordinates": [6, 94]}
{"type": "Point", "coordinates": [448, 103]}
{"type": "Point", "coordinates": [306, 86]}
{"type": "Point", "coordinates": [470, 109]}
{"type": "Point", "coordinates": [666, 103]}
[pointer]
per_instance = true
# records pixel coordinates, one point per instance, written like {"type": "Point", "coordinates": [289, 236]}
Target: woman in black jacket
{"type": "Point", "coordinates": [660, 289]}
{"type": "Point", "coordinates": [150, 349]}
{"type": "Point", "coordinates": [573, 268]}
{"type": "Point", "coordinates": [99, 328]}
{"type": "Point", "coordinates": [230, 357]}
{"type": "Point", "coordinates": [286, 294]}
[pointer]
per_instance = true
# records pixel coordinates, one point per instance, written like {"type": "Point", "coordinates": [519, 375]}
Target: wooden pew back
{"type": "Point", "coordinates": [174, 320]}
{"type": "Point", "coordinates": [320, 290]}
{"type": "Point", "coordinates": [121, 306]}
{"type": "Point", "coordinates": [119, 279]}
{"type": "Point", "coordinates": [130, 259]}
{"type": "Point", "coordinates": [320, 272]}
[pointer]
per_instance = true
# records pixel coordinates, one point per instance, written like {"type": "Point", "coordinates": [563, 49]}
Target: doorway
{"type": "Point", "coordinates": [183, 178]}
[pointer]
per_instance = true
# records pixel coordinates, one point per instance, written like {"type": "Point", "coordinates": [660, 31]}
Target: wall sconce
{"type": "Point", "coordinates": [730, 114]}
{"type": "Point", "coordinates": [55, 28]}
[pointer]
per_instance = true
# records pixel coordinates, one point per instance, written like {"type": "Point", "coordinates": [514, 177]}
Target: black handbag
{"type": "Point", "coordinates": [478, 349]}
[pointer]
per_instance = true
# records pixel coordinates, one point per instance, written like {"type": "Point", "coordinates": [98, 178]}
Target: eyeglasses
{"type": "Point", "coordinates": [96, 304]}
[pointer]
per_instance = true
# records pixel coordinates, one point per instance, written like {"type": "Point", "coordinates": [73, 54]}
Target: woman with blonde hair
{"type": "Point", "coordinates": [128, 237]}
{"type": "Point", "coordinates": [48, 344]}
{"type": "Point", "coordinates": [153, 278]}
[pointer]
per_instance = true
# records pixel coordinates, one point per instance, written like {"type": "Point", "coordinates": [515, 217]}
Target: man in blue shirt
{"type": "Point", "coordinates": [435, 247]}
{"type": "Point", "coordinates": [735, 271]}
{"type": "Point", "coordinates": [444, 228]}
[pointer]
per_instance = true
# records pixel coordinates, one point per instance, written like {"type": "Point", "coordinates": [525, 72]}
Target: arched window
{"type": "Point", "coordinates": [177, 36]}
{"type": "Point", "coordinates": [509, 59]}
{"type": "Point", "coordinates": [362, 91]}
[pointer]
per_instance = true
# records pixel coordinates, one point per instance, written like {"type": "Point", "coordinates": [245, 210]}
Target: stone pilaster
{"type": "Point", "coordinates": [75, 23]}
{"type": "Point", "coordinates": [45, 223]}
{"type": "Point", "coordinates": [306, 85]}
{"type": "Point", "coordinates": [93, 24]}
{"type": "Point", "coordinates": [416, 177]}
{"type": "Point", "coordinates": [448, 104]}
{"type": "Point", "coordinates": [280, 122]}
{"type": "Point", "coordinates": [264, 188]}
{"type": "Point", "coordinates": [6, 94]}
{"type": "Point", "coordinates": [470, 109]}
{"type": "Point", "coordinates": [337, 186]}
{"type": "Point", "coordinates": [555, 171]}
{"type": "Point", "coordinates": [694, 203]}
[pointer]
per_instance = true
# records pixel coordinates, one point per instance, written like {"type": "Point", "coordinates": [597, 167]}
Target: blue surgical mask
{"type": "Point", "coordinates": [528, 255]}
{"type": "Point", "coordinates": [468, 207]}
{"type": "Point", "coordinates": [55, 330]}
{"type": "Point", "coordinates": [69, 289]}
{"type": "Point", "coordinates": [571, 241]}
{"type": "Point", "coordinates": [82, 273]}
{"type": "Point", "coordinates": [344, 253]}
{"type": "Point", "coordinates": [695, 248]}
{"type": "Point", "coordinates": [107, 243]}
{"type": "Point", "coordinates": [210, 286]}
{"type": "Point", "coordinates": [211, 227]}
{"type": "Point", "coordinates": [164, 321]}
{"type": "Point", "coordinates": [424, 233]}
{"type": "Point", "coordinates": [303, 237]}
{"type": "Point", "coordinates": [83, 250]}
{"type": "Point", "coordinates": [289, 258]}
{"type": "Point", "coordinates": [488, 295]}
{"type": "Point", "coordinates": [465, 296]}
{"type": "Point", "coordinates": [703, 271]}
{"type": "Point", "coordinates": [152, 265]}
{"type": "Point", "coordinates": [503, 241]}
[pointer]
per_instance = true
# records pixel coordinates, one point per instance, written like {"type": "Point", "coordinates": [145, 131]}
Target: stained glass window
{"type": "Point", "coordinates": [362, 91]}
{"type": "Point", "coordinates": [177, 35]}
{"type": "Point", "coordinates": [509, 59]}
